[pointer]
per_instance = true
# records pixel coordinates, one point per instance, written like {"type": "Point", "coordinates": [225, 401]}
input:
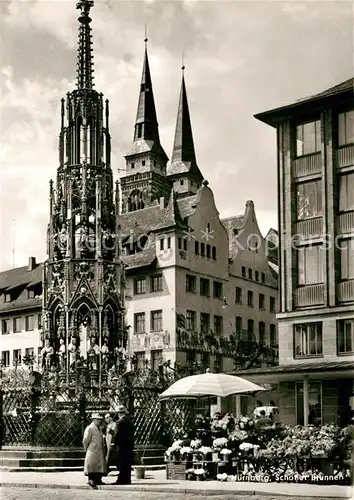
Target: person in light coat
{"type": "Point", "coordinates": [94, 446]}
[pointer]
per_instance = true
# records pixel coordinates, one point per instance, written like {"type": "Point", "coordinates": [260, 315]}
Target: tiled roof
{"type": "Point", "coordinates": [236, 222]}
{"type": "Point", "coordinates": [20, 276]}
{"type": "Point", "coordinates": [150, 219]}
{"type": "Point", "coordinates": [21, 302]}
{"type": "Point", "coordinates": [187, 205]}
{"type": "Point", "coordinates": [299, 367]}
{"type": "Point", "coordinates": [144, 258]}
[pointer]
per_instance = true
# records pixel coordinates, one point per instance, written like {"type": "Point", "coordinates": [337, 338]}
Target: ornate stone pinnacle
{"type": "Point", "coordinates": [84, 54]}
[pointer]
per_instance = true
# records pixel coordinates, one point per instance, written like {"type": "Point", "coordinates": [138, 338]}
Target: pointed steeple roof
{"type": "Point", "coordinates": [183, 156]}
{"type": "Point", "coordinates": [146, 126]}
{"type": "Point", "coordinates": [146, 129]}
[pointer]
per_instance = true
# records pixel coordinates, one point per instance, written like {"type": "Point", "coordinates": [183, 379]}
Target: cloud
{"type": "Point", "coordinates": [241, 58]}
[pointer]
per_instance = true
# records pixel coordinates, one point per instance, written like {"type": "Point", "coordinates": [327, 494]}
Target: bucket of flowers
{"type": "Point", "coordinates": [200, 474]}
{"type": "Point", "coordinates": [220, 443]}
{"type": "Point", "coordinates": [246, 449]}
{"type": "Point", "coordinates": [174, 451]}
{"type": "Point", "coordinates": [195, 444]}
{"type": "Point", "coordinates": [225, 454]}
{"type": "Point", "coordinates": [190, 474]}
{"type": "Point", "coordinates": [222, 477]}
{"type": "Point", "coordinates": [205, 452]}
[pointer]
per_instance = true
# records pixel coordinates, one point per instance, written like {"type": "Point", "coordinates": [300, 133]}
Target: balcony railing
{"type": "Point", "coordinates": [345, 291]}
{"type": "Point", "coordinates": [310, 295]}
{"type": "Point", "coordinates": [310, 228]}
{"type": "Point", "coordinates": [345, 223]}
{"type": "Point", "coordinates": [345, 156]}
{"type": "Point", "coordinates": [307, 165]}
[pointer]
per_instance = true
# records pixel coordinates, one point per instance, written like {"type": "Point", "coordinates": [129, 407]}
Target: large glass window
{"type": "Point", "coordinates": [346, 128]}
{"type": "Point", "coordinates": [140, 360]}
{"type": "Point", "coordinates": [204, 287]}
{"type": "Point", "coordinates": [308, 200]}
{"type": "Point", "coordinates": [191, 284]}
{"type": "Point", "coordinates": [346, 259]}
{"type": "Point", "coordinates": [156, 283]}
{"type": "Point", "coordinates": [308, 138]}
{"type": "Point", "coordinates": [345, 336]}
{"type": "Point", "coordinates": [238, 324]}
{"type": "Point", "coordinates": [29, 323]}
{"type": "Point", "coordinates": [307, 340]}
{"type": "Point", "coordinates": [140, 286]}
{"type": "Point", "coordinates": [314, 410]}
{"type": "Point", "coordinates": [156, 321]}
{"type": "Point", "coordinates": [204, 322]}
{"type": "Point", "coordinates": [346, 192]}
{"type": "Point", "coordinates": [310, 264]}
{"type": "Point", "coordinates": [156, 359]}
{"type": "Point", "coordinates": [139, 323]}
{"type": "Point", "coordinates": [218, 325]}
{"type": "Point", "coordinates": [191, 321]}
{"type": "Point", "coordinates": [272, 335]}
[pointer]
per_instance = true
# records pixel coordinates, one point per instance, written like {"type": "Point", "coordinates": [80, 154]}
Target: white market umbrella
{"type": "Point", "coordinates": [210, 384]}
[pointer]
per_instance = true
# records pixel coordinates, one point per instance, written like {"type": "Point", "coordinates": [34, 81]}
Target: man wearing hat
{"type": "Point", "coordinates": [124, 444]}
{"type": "Point", "coordinates": [93, 442]}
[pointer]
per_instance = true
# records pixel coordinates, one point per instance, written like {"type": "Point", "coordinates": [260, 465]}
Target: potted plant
{"type": "Point", "coordinates": [139, 470]}
{"type": "Point", "coordinates": [195, 445]}
{"type": "Point", "coordinates": [205, 451]}
{"type": "Point", "coordinates": [225, 453]}
{"type": "Point", "coordinates": [200, 474]}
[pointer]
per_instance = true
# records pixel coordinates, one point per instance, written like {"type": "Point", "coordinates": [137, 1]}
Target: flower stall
{"type": "Point", "coordinates": [229, 449]}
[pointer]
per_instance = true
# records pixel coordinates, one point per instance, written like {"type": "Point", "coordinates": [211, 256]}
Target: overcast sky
{"type": "Point", "coordinates": [242, 57]}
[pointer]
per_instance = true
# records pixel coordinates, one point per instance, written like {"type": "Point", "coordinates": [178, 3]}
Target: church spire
{"type": "Point", "coordinates": [84, 52]}
{"type": "Point", "coordinates": [146, 126]}
{"type": "Point", "coordinates": [183, 148]}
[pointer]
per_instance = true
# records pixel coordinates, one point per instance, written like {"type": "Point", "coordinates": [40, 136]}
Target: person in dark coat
{"type": "Point", "coordinates": [124, 444]}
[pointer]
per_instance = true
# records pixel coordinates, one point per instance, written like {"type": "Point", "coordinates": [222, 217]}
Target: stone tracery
{"type": "Point", "coordinates": [82, 250]}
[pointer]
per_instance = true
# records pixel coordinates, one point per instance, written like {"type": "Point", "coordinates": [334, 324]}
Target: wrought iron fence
{"type": "Point", "coordinates": [55, 416]}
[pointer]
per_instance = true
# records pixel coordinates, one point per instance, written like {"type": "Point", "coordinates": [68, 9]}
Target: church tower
{"type": "Point", "coordinates": [145, 181]}
{"type": "Point", "coordinates": [83, 282]}
{"type": "Point", "coordinates": [183, 170]}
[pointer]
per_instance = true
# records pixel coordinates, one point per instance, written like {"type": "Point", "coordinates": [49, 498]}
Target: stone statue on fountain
{"type": "Point", "coordinates": [73, 351]}
{"type": "Point", "coordinates": [47, 354]}
{"type": "Point", "coordinates": [62, 355]}
{"type": "Point", "coordinates": [93, 354]}
{"type": "Point", "coordinates": [105, 355]}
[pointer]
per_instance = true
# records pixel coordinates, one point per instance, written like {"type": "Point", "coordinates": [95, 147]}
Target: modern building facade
{"type": "Point", "coordinates": [316, 256]}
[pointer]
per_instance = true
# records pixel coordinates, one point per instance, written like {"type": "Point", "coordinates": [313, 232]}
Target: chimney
{"type": "Point", "coordinates": [162, 203]}
{"type": "Point", "coordinates": [31, 263]}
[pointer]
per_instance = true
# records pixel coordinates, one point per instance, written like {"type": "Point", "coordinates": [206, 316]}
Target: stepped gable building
{"type": "Point", "coordinates": [316, 306]}
{"type": "Point", "coordinates": [191, 279]}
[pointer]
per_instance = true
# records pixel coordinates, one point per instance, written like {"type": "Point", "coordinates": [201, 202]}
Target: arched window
{"type": "Point", "coordinates": [135, 201]}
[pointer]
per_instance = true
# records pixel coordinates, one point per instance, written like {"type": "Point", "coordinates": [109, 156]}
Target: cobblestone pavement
{"type": "Point", "coordinates": [50, 494]}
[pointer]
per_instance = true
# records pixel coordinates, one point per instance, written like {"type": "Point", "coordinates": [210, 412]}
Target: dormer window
{"type": "Point", "coordinates": [7, 297]}
{"type": "Point", "coordinates": [181, 182]}
{"type": "Point", "coordinates": [30, 293]}
{"type": "Point", "coordinates": [143, 163]}
{"type": "Point", "coordinates": [139, 130]}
